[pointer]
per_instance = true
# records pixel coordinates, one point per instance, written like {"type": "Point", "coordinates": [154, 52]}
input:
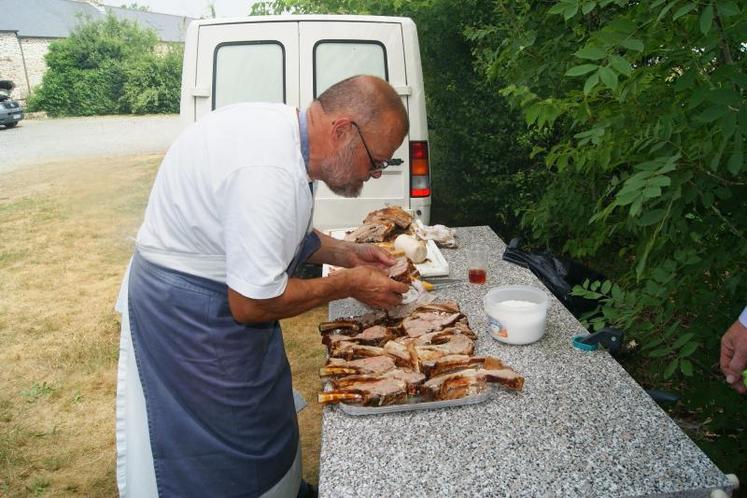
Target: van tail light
{"type": "Point", "coordinates": [420, 172]}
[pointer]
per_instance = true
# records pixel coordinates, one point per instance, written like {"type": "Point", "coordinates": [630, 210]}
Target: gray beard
{"type": "Point", "coordinates": [338, 174]}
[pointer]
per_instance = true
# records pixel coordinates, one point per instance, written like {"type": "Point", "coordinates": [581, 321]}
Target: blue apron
{"type": "Point", "coordinates": [218, 393]}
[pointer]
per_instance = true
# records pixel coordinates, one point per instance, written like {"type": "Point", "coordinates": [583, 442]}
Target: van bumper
{"type": "Point", "coordinates": [421, 207]}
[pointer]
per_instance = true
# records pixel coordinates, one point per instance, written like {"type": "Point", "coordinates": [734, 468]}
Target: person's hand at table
{"type": "Point", "coordinates": [372, 286]}
{"type": "Point", "coordinates": [734, 354]}
{"type": "Point", "coordinates": [368, 255]}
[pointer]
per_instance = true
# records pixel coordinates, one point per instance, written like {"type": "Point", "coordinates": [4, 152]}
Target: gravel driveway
{"type": "Point", "coordinates": [37, 141]}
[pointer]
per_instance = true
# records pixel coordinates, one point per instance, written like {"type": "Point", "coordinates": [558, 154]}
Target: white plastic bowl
{"type": "Point", "coordinates": [516, 313]}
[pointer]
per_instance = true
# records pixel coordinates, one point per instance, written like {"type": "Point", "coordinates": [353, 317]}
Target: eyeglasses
{"type": "Point", "coordinates": [375, 165]}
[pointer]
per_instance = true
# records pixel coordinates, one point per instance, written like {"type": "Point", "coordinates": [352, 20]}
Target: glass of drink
{"type": "Point", "coordinates": [477, 264]}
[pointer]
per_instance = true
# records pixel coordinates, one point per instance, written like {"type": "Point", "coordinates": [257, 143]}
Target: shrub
{"type": "Point", "coordinates": [645, 104]}
{"type": "Point", "coordinates": [153, 83]}
{"type": "Point", "coordinates": [101, 68]}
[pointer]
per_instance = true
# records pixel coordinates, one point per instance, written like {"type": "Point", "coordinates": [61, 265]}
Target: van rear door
{"type": "Point", "coordinates": [246, 62]}
{"type": "Point", "coordinates": [331, 51]}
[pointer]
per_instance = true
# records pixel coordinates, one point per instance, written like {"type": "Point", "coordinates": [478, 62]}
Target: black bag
{"type": "Point", "coordinates": [559, 275]}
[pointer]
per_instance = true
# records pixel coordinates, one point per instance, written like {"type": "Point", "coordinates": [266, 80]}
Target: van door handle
{"type": "Point", "coordinates": [403, 90]}
{"type": "Point", "coordinates": [200, 92]}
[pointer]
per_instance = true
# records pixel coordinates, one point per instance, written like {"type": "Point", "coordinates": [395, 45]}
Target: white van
{"type": "Point", "coordinates": [292, 59]}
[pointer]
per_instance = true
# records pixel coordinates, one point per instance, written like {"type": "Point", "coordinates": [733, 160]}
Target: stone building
{"type": "Point", "coordinates": [27, 27]}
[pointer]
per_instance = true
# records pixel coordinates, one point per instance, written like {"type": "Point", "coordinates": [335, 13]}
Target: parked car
{"type": "Point", "coordinates": [10, 110]}
{"type": "Point", "coordinates": [292, 59]}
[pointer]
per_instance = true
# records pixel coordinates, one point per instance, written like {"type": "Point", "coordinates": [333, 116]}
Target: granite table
{"type": "Point", "coordinates": [581, 426]}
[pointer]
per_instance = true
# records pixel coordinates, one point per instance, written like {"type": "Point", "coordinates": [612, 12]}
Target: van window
{"type": "Point", "coordinates": [248, 72]}
{"type": "Point", "coordinates": [335, 60]}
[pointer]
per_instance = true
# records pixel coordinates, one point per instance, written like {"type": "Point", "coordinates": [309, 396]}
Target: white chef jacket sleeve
{"type": "Point", "coordinates": [259, 208]}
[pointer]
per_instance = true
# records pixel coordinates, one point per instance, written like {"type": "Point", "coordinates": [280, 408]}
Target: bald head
{"type": "Point", "coordinates": [369, 101]}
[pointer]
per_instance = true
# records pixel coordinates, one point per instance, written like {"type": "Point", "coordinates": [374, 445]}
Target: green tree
{"type": "Point", "coordinates": [645, 106]}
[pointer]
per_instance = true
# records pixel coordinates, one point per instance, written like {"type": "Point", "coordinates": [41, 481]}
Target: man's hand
{"type": "Point", "coordinates": [734, 356]}
{"type": "Point", "coordinates": [368, 254]}
{"type": "Point", "coordinates": [372, 286]}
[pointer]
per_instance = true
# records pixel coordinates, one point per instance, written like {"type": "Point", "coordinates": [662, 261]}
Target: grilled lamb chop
{"type": "Point", "coordinates": [393, 214]}
{"type": "Point", "coordinates": [403, 270]}
{"type": "Point", "coordinates": [374, 336]}
{"type": "Point", "coordinates": [457, 344]}
{"type": "Point", "coordinates": [443, 306]}
{"type": "Point", "coordinates": [454, 362]}
{"type": "Point", "coordinates": [378, 392]}
{"type": "Point", "coordinates": [332, 341]}
{"type": "Point", "coordinates": [340, 326]}
{"type": "Point", "coordinates": [377, 335]}
{"type": "Point", "coordinates": [404, 355]}
{"type": "Point", "coordinates": [463, 328]}
{"type": "Point", "coordinates": [468, 382]}
{"type": "Point", "coordinates": [437, 337]}
{"type": "Point", "coordinates": [349, 350]}
{"type": "Point", "coordinates": [411, 355]}
{"type": "Point", "coordinates": [424, 322]}
{"type": "Point", "coordinates": [412, 380]}
{"type": "Point", "coordinates": [374, 232]}
{"type": "Point", "coordinates": [336, 367]}
{"type": "Point", "coordinates": [376, 317]}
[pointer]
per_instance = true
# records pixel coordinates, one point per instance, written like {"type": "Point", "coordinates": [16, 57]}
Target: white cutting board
{"type": "Point", "coordinates": [435, 265]}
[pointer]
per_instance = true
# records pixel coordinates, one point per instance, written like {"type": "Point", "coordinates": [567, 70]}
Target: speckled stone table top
{"type": "Point", "coordinates": [581, 426]}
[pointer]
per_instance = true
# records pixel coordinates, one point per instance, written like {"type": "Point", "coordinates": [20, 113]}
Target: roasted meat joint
{"type": "Point", "coordinates": [407, 356]}
{"type": "Point", "coordinates": [383, 225]}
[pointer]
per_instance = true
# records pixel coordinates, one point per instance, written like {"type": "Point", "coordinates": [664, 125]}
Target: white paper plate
{"type": "Point", "coordinates": [435, 264]}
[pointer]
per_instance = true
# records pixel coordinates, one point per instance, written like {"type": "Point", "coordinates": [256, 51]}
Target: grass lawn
{"type": "Point", "coordinates": [65, 233]}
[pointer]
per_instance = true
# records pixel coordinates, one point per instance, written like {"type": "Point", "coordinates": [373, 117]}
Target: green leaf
{"type": "Point", "coordinates": [725, 96]}
{"type": "Point", "coordinates": [609, 77]}
{"type": "Point", "coordinates": [652, 344]}
{"type": "Point", "coordinates": [591, 82]}
{"type": "Point", "coordinates": [652, 192]}
{"type": "Point", "coordinates": [727, 8]}
{"type": "Point", "coordinates": [587, 7]}
{"type": "Point", "coordinates": [606, 286]}
{"type": "Point", "coordinates": [665, 10]}
{"type": "Point", "coordinates": [558, 8]}
{"type": "Point", "coordinates": [685, 9]}
{"type": "Point", "coordinates": [682, 340]}
{"type": "Point", "coordinates": [686, 367]}
{"type": "Point", "coordinates": [688, 349]}
{"type": "Point", "coordinates": [651, 217]}
{"type": "Point", "coordinates": [686, 80]}
{"type": "Point", "coordinates": [617, 292]}
{"type": "Point", "coordinates": [591, 53]}
{"type": "Point", "coordinates": [660, 181]}
{"type": "Point", "coordinates": [571, 10]}
{"type": "Point", "coordinates": [632, 44]}
{"type": "Point", "coordinates": [635, 208]}
{"type": "Point", "coordinates": [582, 69]}
{"type": "Point", "coordinates": [532, 113]}
{"type": "Point", "coordinates": [706, 19]}
{"type": "Point", "coordinates": [621, 65]}
{"type": "Point", "coordinates": [736, 161]}
{"type": "Point", "coordinates": [712, 113]}
{"type": "Point", "coordinates": [658, 353]}
{"type": "Point", "coordinates": [669, 371]}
